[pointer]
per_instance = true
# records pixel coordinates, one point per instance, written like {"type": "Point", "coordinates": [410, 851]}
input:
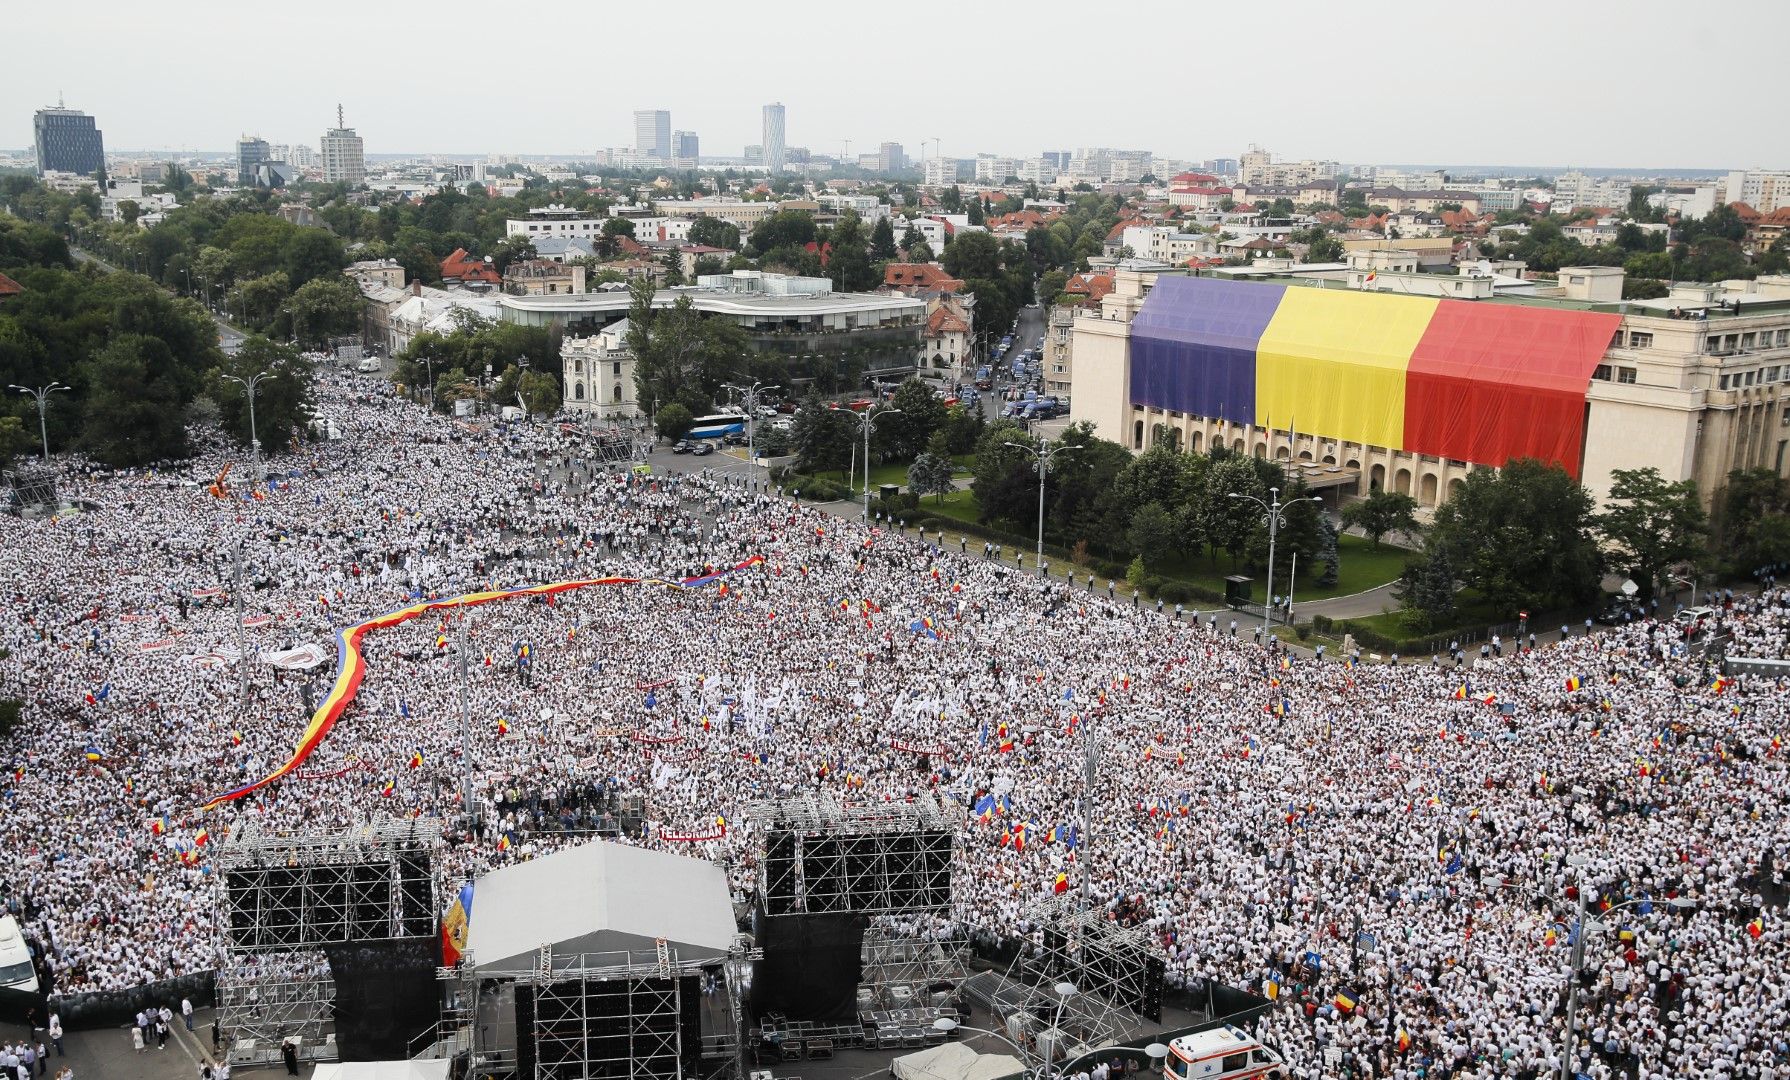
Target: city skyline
{"type": "Point", "coordinates": [1503, 105]}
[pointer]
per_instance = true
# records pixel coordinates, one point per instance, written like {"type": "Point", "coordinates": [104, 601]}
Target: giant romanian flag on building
{"type": "Point", "coordinates": [1477, 381]}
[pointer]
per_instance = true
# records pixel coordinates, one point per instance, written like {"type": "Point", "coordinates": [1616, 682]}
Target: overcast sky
{"type": "Point", "coordinates": [1640, 83]}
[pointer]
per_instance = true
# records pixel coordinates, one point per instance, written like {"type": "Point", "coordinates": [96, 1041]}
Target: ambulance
{"type": "Point", "coordinates": [1223, 1053]}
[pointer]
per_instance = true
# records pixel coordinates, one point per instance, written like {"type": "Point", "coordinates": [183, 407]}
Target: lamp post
{"type": "Point", "coordinates": [251, 386]}
{"type": "Point", "coordinates": [1687, 579]}
{"type": "Point", "coordinates": [749, 397]}
{"type": "Point", "coordinates": [1043, 453]}
{"type": "Point", "coordinates": [1276, 512]}
{"type": "Point", "coordinates": [42, 392]}
{"type": "Point", "coordinates": [867, 421]}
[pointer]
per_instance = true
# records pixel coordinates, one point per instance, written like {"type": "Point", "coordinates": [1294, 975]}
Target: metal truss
{"type": "Point", "coordinates": [595, 1015]}
{"type": "Point", "coordinates": [32, 487]}
{"type": "Point", "coordinates": [264, 1000]}
{"type": "Point", "coordinates": [898, 968]}
{"type": "Point", "coordinates": [818, 856]}
{"type": "Point", "coordinates": [1105, 961]}
{"type": "Point", "coordinates": [301, 890]}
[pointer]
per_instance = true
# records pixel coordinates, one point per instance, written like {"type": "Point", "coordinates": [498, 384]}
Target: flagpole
{"type": "Point", "coordinates": [465, 727]}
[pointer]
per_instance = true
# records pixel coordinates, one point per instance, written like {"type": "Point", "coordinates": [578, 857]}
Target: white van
{"type": "Point", "coordinates": [368, 365]}
{"type": "Point", "coordinates": [16, 972]}
{"type": "Point", "coordinates": [1223, 1053]}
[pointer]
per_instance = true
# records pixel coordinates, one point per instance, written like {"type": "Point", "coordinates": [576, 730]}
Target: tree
{"type": "Point", "coordinates": [785, 228]}
{"type": "Point", "coordinates": [882, 240]}
{"type": "Point", "coordinates": [15, 441]}
{"type": "Point", "coordinates": [1521, 536]}
{"type": "Point", "coordinates": [1324, 248]}
{"type": "Point", "coordinates": [713, 232]}
{"type": "Point", "coordinates": [678, 354]}
{"type": "Point", "coordinates": [540, 392]}
{"type": "Point", "coordinates": [930, 474]}
{"type": "Point", "coordinates": [1380, 513]}
{"type": "Point", "coordinates": [823, 437]}
{"type": "Point", "coordinates": [324, 308]}
{"type": "Point", "coordinates": [673, 421]}
{"type": "Point", "coordinates": [1005, 483]}
{"type": "Point", "coordinates": [1651, 524]}
{"type": "Point", "coordinates": [1153, 535]}
{"type": "Point", "coordinates": [312, 253]}
{"type": "Point", "coordinates": [281, 398]}
{"type": "Point", "coordinates": [619, 226]}
{"type": "Point", "coordinates": [904, 436]}
{"type": "Point", "coordinates": [1426, 588]}
{"type": "Point", "coordinates": [1231, 522]}
{"type": "Point", "coordinates": [1329, 557]}
{"type": "Point", "coordinates": [132, 413]}
{"type": "Point", "coordinates": [1750, 516]}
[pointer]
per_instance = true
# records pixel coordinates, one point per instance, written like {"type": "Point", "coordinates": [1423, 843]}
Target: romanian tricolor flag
{"type": "Point", "coordinates": [1404, 1040]}
{"type": "Point", "coordinates": [416, 759]}
{"type": "Point", "coordinates": [503, 842]}
{"type": "Point", "coordinates": [1460, 692]}
{"type": "Point", "coordinates": [1721, 683]}
{"type": "Point", "coordinates": [92, 753]}
{"type": "Point", "coordinates": [1550, 937]}
{"type": "Point", "coordinates": [201, 838]}
{"type": "Point", "coordinates": [159, 826]}
{"type": "Point", "coordinates": [1062, 885]}
{"type": "Point", "coordinates": [503, 726]}
{"type": "Point", "coordinates": [454, 926]}
{"type": "Point", "coordinates": [388, 789]}
{"type": "Point", "coordinates": [1756, 927]}
{"type": "Point", "coordinates": [1573, 683]}
{"type": "Point", "coordinates": [441, 641]}
{"type": "Point", "coordinates": [1344, 1003]}
{"type": "Point", "coordinates": [236, 738]}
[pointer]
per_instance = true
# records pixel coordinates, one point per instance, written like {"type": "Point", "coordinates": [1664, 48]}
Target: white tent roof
{"type": "Point", "coordinates": [435, 1069]}
{"type": "Point", "coordinates": [954, 1061]}
{"type": "Point", "coordinates": [596, 898]}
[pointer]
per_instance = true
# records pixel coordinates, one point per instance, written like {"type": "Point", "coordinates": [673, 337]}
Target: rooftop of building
{"type": "Point", "coordinates": [1721, 306]}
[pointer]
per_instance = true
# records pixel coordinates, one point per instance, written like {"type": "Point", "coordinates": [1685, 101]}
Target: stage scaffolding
{"type": "Point", "coordinates": [819, 856]}
{"type": "Point", "coordinates": [286, 891]}
{"type": "Point", "coordinates": [1117, 964]}
{"type": "Point", "coordinates": [594, 1015]}
{"type": "Point", "coordinates": [898, 969]}
{"type": "Point", "coordinates": [264, 999]}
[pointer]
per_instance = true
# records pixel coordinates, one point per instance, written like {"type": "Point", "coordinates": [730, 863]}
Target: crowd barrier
{"type": "Point", "coordinates": [110, 1008]}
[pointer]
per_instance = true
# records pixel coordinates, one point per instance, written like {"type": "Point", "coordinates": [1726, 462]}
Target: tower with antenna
{"type": "Point", "coordinates": [344, 156]}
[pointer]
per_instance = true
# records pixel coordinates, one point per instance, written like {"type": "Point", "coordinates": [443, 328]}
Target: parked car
{"type": "Point", "coordinates": [782, 423]}
{"type": "Point", "coordinates": [682, 446]}
{"type": "Point", "coordinates": [786, 407]}
{"type": "Point", "coordinates": [702, 448]}
{"type": "Point", "coordinates": [1619, 610]}
{"type": "Point", "coordinates": [734, 438]}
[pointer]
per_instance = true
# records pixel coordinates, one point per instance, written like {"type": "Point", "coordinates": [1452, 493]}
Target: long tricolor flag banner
{"type": "Point", "coordinates": [1470, 380]}
{"type": "Point", "coordinates": [351, 668]}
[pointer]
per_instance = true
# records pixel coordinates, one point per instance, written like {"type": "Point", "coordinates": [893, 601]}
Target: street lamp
{"type": "Point", "coordinates": [749, 396]}
{"type": "Point", "coordinates": [867, 421]}
{"type": "Point", "coordinates": [1687, 579]}
{"type": "Point", "coordinates": [1276, 511]}
{"type": "Point", "coordinates": [1043, 452]}
{"type": "Point", "coordinates": [251, 385]}
{"type": "Point", "coordinates": [40, 394]}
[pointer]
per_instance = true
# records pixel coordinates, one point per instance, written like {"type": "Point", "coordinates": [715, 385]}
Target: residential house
{"type": "Point", "coordinates": [542, 277]}
{"type": "Point", "coordinates": [470, 270]}
{"type": "Point", "coordinates": [945, 343]}
{"type": "Point", "coordinates": [919, 279]}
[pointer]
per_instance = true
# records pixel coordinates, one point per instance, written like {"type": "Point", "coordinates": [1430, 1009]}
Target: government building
{"type": "Point", "coordinates": [1362, 388]}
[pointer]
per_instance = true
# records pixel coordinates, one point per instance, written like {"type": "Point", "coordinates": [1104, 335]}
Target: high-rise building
{"type": "Point", "coordinates": [685, 147]}
{"type": "Point", "coordinates": [251, 150]}
{"type": "Point", "coordinates": [890, 158]}
{"type": "Point", "coordinates": [1762, 189]}
{"type": "Point", "coordinates": [344, 156]}
{"type": "Point", "coordinates": [652, 132]}
{"type": "Point", "coordinates": [69, 141]}
{"type": "Point", "coordinates": [773, 136]}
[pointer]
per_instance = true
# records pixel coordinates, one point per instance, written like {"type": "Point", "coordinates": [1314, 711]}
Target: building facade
{"type": "Point", "coordinates": [686, 149]}
{"type": "Point", "coordinates": [542, 277]}
{"type": "Point", "coordinates": [597, 374]}
{"type": "Point", "coordinates": [68, 141]}
{"type": "Point", "coordinates": [1364, 391]}
{"type": "Point", "coordinates": [652, 133]}
{"type": "Point", "coordinates": [343, 155]}
{"type": "Point", "coordinates": [773, 136]}
{"type": "Point", "coordinates": [251, 151]}
{"type": "Point", "coordinates": [1764, 190]}
{"type": "Point", "coordinates": [554, 219]}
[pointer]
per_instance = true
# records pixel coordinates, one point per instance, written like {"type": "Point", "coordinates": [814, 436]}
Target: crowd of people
{"type": "Point", "coordinates": [1397, 854]}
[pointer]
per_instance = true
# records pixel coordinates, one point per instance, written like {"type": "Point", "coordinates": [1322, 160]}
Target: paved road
{"type": "Point", "coordinates": [229, 337]}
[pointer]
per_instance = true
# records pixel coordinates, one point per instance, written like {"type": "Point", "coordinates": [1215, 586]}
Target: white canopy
{"type": "Point", "coordinates": [955, 1061]}
{"type": "Point", "coordinates": [433, 1069]}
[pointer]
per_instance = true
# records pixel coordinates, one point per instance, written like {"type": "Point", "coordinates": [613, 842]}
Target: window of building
{"type": "Point", "coordinates": [618, 367]}
{"type": "Point", "coordinates": [1603, 372]}
{"type": "Point", "coordinates": [1747, 379]}
{"type": "Point", "coordinates": [1746, 341]}
{"type": "Point", "coordinates": [1625, 375]}
{"type": "Point", "coordinates": [1640, 340]}
{"type": "Point", "coordinates": [1771, 375]}
{"type": "Point", "coordinates": [1724, 383]}
{"type": "Point", "coordinates": [1783, 338]}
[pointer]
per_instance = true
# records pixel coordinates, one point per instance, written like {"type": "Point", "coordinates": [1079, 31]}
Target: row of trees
{"type": "Point", "coordinates": [140, 364]}
{"type": "Point", "coordinates": [1530, 537]}
{"type": "Point", "coordinates": [520, 359]}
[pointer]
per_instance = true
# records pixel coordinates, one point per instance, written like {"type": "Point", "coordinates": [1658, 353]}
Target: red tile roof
{"type": "Point", "coordinates": [1090, 285]}
{"type": "Point", "coordinates": [9, 287]}
{"type": "Point", "coordinates": [920, 276]}
{"type": "Point", "coordinates": [946, 321]}
{"type": "Point", "coordinates": [460, 266]}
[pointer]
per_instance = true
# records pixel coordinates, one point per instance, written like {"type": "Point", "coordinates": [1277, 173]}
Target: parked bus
{"type": "Point", "coordinates": [714, 427]}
